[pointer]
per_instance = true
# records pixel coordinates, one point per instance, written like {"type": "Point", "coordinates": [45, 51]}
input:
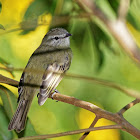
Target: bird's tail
{"type": "Point", "coordinates": [19, 119]}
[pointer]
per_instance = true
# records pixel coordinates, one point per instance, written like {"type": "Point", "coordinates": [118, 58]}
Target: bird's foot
{"type": "Point", "coordinates": [55, 91]}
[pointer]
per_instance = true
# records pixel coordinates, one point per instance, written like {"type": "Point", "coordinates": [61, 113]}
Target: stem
{"type": "Point", "coordinates": [70, 132]}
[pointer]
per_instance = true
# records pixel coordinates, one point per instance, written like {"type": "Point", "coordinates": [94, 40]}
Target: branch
{"type": "Point", "coordinates": [117, 28]}
{"type": "Point", "coordinates": [128, 106]}
{"type": "Point", "coordinates": [8, 81]}
{"type": "Point", "coordinates": [118, 119]}
{"type": "Point", "coordinates": [70, 132]}
{"type": "Point", "coordinates": [106, 83]}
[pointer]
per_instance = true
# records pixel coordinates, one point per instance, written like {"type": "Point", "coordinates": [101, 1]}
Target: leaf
{"type": "Point", "coordinates": [79, 29]}
{"type": "Point", "coordinates": [99, 36]}
{"type": "Point", "coordinates": [132, 17]}
{"type": "Point", "coordinates": [114, 5]}
{"type": "Point", "coordinates": [28, 25]}
{"type": "Point", "coordinates": [29, 130]}
{"type": "Point", "coordinates": [10, 102]}
{"type": "Point", "coordinates": [4, 62]}
{"type": "Point", "coordinates": [80, 33]}
{"type": "Point", "coordinates": [7, 65]}
{"type": "Point", "coordinates": [37, 8]}
{"type": "Point", "coordinates": [2, 27]}
{"type": "Point", "coordinates": [4, 133]}
{"type": "Point", "coordinates": [133, 21]}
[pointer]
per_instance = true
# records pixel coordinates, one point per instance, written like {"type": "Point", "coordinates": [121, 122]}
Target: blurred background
{"type": "Point", "coordinates": [96, 53]}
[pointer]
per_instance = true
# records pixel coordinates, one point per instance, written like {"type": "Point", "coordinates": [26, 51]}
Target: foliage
{"type": "Point", "coordinates": [7, 110]}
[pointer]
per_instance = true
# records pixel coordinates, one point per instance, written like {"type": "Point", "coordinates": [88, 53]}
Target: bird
{"type": "Point", "coordinates": [44, 71]}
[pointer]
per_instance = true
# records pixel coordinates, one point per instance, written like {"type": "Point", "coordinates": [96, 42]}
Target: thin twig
{"type": "Point", "coordinates": [128, 106]}
{"type": "Point", "coordinates": [22, 28]}
{"type": "Point", "coordinates": [91, 126]}
{"type": "Point", "coordinates": [8, 81]}
{"type": "Point", "coordinates": [11, 69]}
{"type": "Point", "coordinates": [70, 132]}
{"type": "Point", "coordinates": [107, 83]}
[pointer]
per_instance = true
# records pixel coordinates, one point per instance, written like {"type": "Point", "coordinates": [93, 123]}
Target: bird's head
{"type": "Point", "coordinates": [57, 38]}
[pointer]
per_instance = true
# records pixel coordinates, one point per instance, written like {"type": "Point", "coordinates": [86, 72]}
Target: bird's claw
{"type": "Point", "coordinates": [55, 91]}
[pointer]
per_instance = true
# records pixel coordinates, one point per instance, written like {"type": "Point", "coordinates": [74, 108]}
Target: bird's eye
{"type": "Point", "coordinates": [56, 38]}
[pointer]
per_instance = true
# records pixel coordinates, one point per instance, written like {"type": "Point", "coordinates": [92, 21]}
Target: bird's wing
{"type": "Point", "coordinates": [51, 78]}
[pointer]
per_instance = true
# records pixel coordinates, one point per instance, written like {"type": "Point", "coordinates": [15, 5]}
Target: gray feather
{"type": "Point", "coordinates": [19, 119]}
{"type": "Point", "coordinates": [51, 78]}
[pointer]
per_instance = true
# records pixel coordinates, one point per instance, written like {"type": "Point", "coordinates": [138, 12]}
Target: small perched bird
{"type": "Point", "coordinates": [42, 74]}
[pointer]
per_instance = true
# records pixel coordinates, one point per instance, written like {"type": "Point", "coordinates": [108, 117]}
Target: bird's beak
{"type": "Point", "coordinates": [68, 34]}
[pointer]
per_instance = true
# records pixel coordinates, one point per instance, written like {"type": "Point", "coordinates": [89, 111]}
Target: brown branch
{"type": "Point", "coordinates": [128, 106]}
{"type": "Point", "coordinates": [70, 132]}
{"type": "Point", "coordinates": [8, 81]}
{"type": "Point", "coordinates": [103, 82]}
{"type": "Point", "coordinates": [117, 28]}
{"type": "Point", "coordinates": [11, 69]}
{"type": "Point", "coordinates": [118, 119]}
{"type": "Point", "coordinates": [56, 21]}
{"type": "Point", "coordinates": [115, 117]}
{"type": "Point", "coordinates": [91, 126]}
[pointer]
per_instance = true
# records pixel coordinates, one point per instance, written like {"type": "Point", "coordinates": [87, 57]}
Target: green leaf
{"type": "Point", "coordinates": [36, 8]}
{"type": "Point", "coordinates": [28, 131]}
{"type": "Point", "coordinates": [4, 133]}
{"type": "Point", "coordinates": [4, 62]}
{"type": "Point", "coordinates": [28, 25]}
{"type": "Point", "coordinates": [133, 21]}
{"type": "Point", "coordinates": [99, 36]}
{"type": "Point", "coordinates": [114, 5]}
{"type": "Point", "coordinates": [8, 65]}
{"type": "Point", "coordinates": [10, 103]}
{"type": "Point", "coordinates": [2, 27]}
{"type": "Point", "coordinates": [78, 31]}
{"type": "Point", "coordinates": [132, 17]}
